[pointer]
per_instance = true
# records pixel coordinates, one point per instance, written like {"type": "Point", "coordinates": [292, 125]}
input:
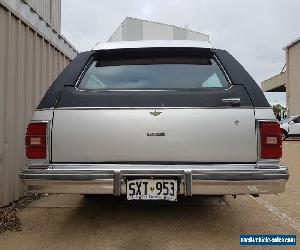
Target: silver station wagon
{"type": "Point", "coordinates": [153, 120]}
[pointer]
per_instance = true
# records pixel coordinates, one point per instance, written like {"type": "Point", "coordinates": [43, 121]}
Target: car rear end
{"type": "Point", "coordinates": [153, 121]}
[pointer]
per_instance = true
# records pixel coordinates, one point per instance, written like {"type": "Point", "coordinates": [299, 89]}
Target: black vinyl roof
{"type": "Point", "coordinates": [68, 78]}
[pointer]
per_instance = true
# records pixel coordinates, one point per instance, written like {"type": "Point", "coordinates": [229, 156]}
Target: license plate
{"type": "Point", "coordinates": [146, 189]}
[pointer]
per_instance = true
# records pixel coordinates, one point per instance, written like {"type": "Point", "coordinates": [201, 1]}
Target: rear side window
{"type": "Point", "coordinates": [153, 73]}
{"type": "Point", "coordinates": [296, 119]}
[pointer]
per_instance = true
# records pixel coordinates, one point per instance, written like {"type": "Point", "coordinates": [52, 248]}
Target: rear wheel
{"type": "Point", "coordinates": [284, 135]}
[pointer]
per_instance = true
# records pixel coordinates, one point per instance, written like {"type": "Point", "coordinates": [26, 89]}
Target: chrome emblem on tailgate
{"type": "Point", "coordinates": [155, 113]}
{"type": "Point", "coordinates": [156, 134]}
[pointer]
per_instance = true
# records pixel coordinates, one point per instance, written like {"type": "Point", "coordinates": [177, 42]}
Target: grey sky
{"type": "Point", "coordinates": [254, 31]}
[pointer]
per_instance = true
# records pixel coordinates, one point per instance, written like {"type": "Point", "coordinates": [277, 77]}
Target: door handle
{"type": "Point", "coordinates": [232, 100]}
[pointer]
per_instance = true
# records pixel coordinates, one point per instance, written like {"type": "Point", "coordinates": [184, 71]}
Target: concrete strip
{"type": "Point", "coordinates": [292, 222]}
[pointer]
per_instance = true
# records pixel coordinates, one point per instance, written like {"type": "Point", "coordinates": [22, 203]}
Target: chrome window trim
{"type": "Point", "coordinates": [86, 108]}
{"type": "Point", "coordinates": [83, 72]}
{"type": "Point", "coordinates": [90, 61]}
{"type": "Point", "coordinates": [223, 71]}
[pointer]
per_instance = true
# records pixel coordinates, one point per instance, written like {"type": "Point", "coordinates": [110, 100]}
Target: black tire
{"type": "Point", "coordinates": [89, 196]}
{"type": "Point", "coordinates": [284, 134]}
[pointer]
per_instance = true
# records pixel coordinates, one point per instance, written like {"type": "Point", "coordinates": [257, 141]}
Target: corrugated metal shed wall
{"type": "Point", "coordinates": [50, 10]}
{"type": "Point", "coordinates": [28, 65]}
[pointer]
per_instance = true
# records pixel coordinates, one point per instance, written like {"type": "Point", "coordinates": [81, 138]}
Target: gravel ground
{"type": "Point", "coordinates": [9, 220]}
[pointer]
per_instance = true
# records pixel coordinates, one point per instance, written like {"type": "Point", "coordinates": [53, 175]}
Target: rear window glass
{"type": "Point", "coordinates": [153, 73]}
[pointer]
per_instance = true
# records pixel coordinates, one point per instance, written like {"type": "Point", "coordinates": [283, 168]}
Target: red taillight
{"type": "Point", "coordinates": [35, 141]}
{"type": "Point", "coordinates": [271, 140]}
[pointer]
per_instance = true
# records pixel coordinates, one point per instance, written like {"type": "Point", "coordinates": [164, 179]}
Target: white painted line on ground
{"type": "Point", "coordinates": [293, 223]}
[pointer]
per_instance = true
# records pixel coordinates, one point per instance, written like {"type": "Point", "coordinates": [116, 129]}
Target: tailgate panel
{"type": "Point", "coordinates": [136, 135]}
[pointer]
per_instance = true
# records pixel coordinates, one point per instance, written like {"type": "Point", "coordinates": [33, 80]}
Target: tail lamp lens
{"type": "Point", "coordinates": [271, 140]}
{"type": "Point", "coordinates": [35, 141]}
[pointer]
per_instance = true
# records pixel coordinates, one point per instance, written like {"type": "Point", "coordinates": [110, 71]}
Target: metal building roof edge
{"type": "Point", "coordinates": [291, 43]}
{"type": "Point", "coordinates": [170, 25]}
{"type": "Point", "coordinates": [28, 15]}
{"type": "Point", "coordinates": [144, 20]}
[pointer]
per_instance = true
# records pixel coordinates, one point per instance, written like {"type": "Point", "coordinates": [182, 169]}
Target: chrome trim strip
{"type": "Point", "coordinates": [271, 164]}
{"type": "Point", "coordinates": [123, 170]}
{"type": "Point", "coordinates": [44, 109]}
{"type": "Point", "coordinates": [258, 140]}
{"type": "Point", "coordinates": [98, 175]}
{"type": "Point", "coordinates": [267, 120]}
{"type": "Point", "coordinates": [86, 108]}
{"type": "Point", "coordinates": [263, 108]}
{"type": "Point", "coordinates": [157, 107]}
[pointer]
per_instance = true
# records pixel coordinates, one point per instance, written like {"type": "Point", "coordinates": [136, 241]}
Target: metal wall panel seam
{"type": "Point", "coordinates": [6, 72]}
{"type": "Point", "coordinates": [27, 107]}
{"type": "Point", "coordinates": [42, 69]}
{"type": "Point", "coordinates": [20, 115]}
{"type": "Point", "coordinates": [11, 105]}
{"type": "Point", "coordinates": [3, 51]}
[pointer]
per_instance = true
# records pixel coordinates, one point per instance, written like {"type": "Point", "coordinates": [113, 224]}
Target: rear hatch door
{"type": "Point", "coordinates": [154, 107]}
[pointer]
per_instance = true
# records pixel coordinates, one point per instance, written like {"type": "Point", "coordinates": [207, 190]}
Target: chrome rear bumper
{"type": "Point", "coordinates": [210, 179]}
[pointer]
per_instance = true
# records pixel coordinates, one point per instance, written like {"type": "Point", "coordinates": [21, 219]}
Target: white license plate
{"type": "Point", "coordinates": [147, 189]}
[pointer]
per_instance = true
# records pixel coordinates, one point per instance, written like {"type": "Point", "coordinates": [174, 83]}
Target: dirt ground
{"type": "Point", "coordinates": [74, 222]}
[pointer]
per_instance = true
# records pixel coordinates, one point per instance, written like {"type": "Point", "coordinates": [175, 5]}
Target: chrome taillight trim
{"type": "Point", "coordinates": [257, 121]}
{"type": "Point", "coordinates": [261, 162]}
{"type": "Point", "coordinates": [46, 161]}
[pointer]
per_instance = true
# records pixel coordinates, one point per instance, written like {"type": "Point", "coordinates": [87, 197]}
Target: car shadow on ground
{"type": "Point", "coordinates": [108, 200]}
{"type": "Point", "coordinates": [145, 223]}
